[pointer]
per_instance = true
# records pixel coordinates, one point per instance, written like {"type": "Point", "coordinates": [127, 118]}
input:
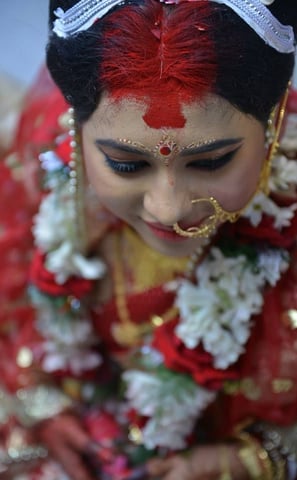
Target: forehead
{"type": "Point", "coordinates": [124, 118]}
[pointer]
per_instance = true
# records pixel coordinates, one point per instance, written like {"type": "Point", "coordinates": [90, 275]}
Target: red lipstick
{"type": "Point", "coordinates": [163, 232]}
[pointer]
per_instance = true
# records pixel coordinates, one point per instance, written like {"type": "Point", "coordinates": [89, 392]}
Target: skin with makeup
{"type": "Point", "coordinates": [151, 191]}
{"type": "Point", "coordinates": [163, 270]}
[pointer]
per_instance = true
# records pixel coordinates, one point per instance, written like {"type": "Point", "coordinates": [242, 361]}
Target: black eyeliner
{"type": "Point", "coordinates": [125, 167]}
{"type": "Point", "coordinates": [213, 164]}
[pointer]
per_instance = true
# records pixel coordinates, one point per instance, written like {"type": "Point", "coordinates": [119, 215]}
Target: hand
{"type": "Point", "coordinates": [69, 444]}
{"type": "Point", "coordinates": [203, 463]}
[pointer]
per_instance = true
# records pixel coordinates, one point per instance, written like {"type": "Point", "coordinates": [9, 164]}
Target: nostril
{"type": "Point", "coordinates": [174, 208]}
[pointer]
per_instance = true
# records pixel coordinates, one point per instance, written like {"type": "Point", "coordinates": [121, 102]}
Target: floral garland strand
{"type": "Point", "coordinates": [63, 273]}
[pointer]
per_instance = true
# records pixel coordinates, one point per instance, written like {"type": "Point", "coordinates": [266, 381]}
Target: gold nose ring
{"type": "Point", "coordinates": [209, 225]}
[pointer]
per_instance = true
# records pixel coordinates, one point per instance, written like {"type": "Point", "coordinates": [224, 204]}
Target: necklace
{"type": "Point", "coordinates": [128, 333]}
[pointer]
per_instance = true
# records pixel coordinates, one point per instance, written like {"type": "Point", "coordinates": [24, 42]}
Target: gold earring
{"type": "Point", "coordinates": [273, 131]}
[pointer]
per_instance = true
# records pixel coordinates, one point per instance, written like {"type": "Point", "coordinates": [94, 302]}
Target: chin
{"type": "Point", "coordinates": [182, 248]}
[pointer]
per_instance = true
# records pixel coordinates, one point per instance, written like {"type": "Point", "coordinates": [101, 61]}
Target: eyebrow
{"type": "Point", "coordinates": [210, 146]}
{"type": "Point", "coordinates": [120, 146]}
{"type": "Point", "coordinates": [185, 151]}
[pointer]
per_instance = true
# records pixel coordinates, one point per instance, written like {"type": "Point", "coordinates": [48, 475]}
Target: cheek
{"type": "Point", "coordinates": [237, 189]}
{"type": "Point", "coordinates": [112, 192]}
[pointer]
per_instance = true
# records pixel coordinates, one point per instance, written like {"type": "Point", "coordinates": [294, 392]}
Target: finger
{"type": "Point", "coordinates": [181, 473]}
{"type": "Point", "coordinates": [65, 427]}
{"type": "Point", "coordinates": [76, 436]}
{"type": "Point", "coordinates": [174, 468]}
{"type": "Point", "coordinates": [155, 467]}
{"type": "Point", "coordinates": [71, 461]}
{"type": "Point", "coordinates": [139, 473]}
{"type": "Point", "coordinates": [159, 466]}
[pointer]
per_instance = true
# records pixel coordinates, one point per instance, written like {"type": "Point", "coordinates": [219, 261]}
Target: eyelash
{"type": "Point", "coordinates": [214, 164]}
{"type": "Point", "coordinates": [134, 167]}
{"type": "Point", "coordinates": [125, 167]}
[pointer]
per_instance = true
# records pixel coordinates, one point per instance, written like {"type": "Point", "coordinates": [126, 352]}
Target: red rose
{"type": "Point", "coordinates": [196, 362]}
{"type": "Point", "coordinates": [63, 150]}
{"type": "Point", "coordinates": [45, 281]}
{"type": "Point", "coordinates": [265, 231]}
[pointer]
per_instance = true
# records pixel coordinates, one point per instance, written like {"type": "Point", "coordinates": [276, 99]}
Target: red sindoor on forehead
{"type": "Point", "coordinates": [165, 111]}
{"type": "Point", "coordinates": [163, 55]}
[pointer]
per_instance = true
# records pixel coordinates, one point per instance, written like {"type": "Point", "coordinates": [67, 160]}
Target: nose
{"type": "Point", "coordinates": [167, 204]}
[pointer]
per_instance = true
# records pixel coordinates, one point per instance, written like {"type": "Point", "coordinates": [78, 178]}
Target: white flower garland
{"type": "Point", "coordinates": [68, 333]}
{"type": "Point", "coordinates": [53, 227]}
{"type": "Point", "coordinates": [284, 174]}
{"type": "Point", "coordinates": [171, 412]}
{"type": "Point", "coordinates": [217, 310]}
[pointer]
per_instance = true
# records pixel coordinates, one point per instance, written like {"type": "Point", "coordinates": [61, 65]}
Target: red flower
{"type": "Point", "coordinates": [265, 231]}
{"type": "Point", "coordinates": [63, 150]}
{"type": "Point", "coordinates": [102, 426]}
{"type": "Point", "coordinates": [195, 362]}
{"type": "Point", "coordinates": [45, 280]}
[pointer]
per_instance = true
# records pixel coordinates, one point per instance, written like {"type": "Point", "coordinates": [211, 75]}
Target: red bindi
{"type": "Point", "coordinates": [165, 150]}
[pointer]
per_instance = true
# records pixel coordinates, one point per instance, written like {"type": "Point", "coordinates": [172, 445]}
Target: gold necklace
{"type": "Point", "coordinates": [128, 333]}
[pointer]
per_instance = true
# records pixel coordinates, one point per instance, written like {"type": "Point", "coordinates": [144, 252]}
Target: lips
{"type": "Point", "coordinates": [164, 232]}
{"type": "Point", "coordinates": [159, 226]}
{"type": "Point", "coordinates": [168, 233]}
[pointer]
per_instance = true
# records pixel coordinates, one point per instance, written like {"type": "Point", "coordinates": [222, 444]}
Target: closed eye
{"type": "Point", "coordinates": [206, 164]}
{"type": "Point", "coordinates": [211, 164]}
{"type": "Point", "coordinates": [125, 167]}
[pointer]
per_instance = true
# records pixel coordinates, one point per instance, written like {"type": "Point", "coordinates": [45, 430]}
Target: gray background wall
{"type": "Point", "coordinates": [23, 32]}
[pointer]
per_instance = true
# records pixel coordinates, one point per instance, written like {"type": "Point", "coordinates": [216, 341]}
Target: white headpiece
{"type": "Point", "coordinates": [254, 12]}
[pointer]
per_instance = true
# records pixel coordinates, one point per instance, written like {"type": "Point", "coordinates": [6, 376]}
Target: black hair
{"type": "Point", "coordinates": [251, 75]}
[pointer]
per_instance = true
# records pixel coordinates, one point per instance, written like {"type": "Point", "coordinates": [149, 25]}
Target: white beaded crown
{"type": "Point", "coordinates": [254, 12]}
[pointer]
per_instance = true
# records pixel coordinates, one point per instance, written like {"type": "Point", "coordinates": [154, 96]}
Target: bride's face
{"type": "Point", "coordinates": [149, 176]}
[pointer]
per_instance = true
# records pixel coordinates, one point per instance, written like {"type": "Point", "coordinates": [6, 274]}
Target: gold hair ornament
{"type": "Point", "coordinates": [220, 215]}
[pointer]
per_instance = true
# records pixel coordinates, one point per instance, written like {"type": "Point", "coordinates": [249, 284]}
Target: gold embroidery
{"type": "Point", "coordinates": [249, 388]}
{"type": "Point", "coordinates": [231, 388]}
{"type": "Point", "coordinates": [282, 385]}
{"type": "Point", "coordinates": [246, 386]}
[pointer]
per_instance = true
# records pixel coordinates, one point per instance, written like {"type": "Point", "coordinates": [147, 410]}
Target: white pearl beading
{"type": "Point", "coordinates": [81, 16]}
